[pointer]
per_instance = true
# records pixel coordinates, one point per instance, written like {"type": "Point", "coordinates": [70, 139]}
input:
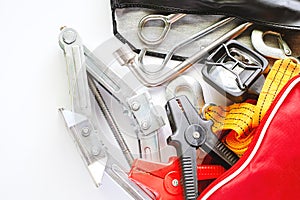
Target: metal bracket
{"type": "Point", "coordinates": [146, 116]}
{"type": "Point", "coordinates": [89, 145]}
{"type": "Point", "coordinates": [70, 42]}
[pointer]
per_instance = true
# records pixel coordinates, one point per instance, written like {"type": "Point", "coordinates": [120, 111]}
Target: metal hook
{"type": "Point", "coordinates": [277, 53]}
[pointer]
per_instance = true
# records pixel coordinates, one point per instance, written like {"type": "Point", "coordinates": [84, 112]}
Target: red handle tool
{"type": "Point", "coordinates": [164, 180]}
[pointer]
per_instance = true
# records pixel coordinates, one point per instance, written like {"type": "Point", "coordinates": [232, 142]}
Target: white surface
{"type": "Point", "coordinates": [38, 158]}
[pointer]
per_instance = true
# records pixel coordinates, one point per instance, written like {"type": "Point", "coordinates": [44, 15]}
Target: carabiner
{"type": "Point", "coordinates": [284, 51]}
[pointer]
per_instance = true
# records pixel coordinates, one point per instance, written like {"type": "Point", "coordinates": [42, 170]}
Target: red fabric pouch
{"type": "Point", "coordinates": [270, 168]}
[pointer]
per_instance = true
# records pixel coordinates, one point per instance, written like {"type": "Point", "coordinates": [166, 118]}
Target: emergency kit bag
{"type": "Point", "coordinates": [268, 146]}
{"type": "Point", "coordinates": [198, 99]}
{"type": "Point", "coordinates": [269, 169]}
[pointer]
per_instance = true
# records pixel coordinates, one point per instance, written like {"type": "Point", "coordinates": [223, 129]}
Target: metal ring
{"type": "Point", "coordinates": [205, 108]}
{"type": "Point", "coordinates": [144, 20]}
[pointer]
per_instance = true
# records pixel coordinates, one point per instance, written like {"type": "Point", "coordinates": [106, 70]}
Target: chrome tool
{"type": "Point", "coordinates": [180, 45]}
{"type": "Point", "coordinates": [79, 121]}
{"type": "Point", "coordinates": [127, 57]}
{"type": "Point", "coordinates": [85, 135]}
{"type": "Point", "coordinates": [143, 113]}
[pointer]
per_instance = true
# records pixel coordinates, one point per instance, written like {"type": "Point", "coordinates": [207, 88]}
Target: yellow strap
{"type": "Point", "coordinates": [280, 74]}
{"type": "Point", "coordinates": [243, 117]}
{"type": "Point", "coordinates": [237, 117]}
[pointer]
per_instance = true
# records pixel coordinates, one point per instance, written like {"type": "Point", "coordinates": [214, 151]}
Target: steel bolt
{"type": "Point", "coordinates": [175, 182]}
{"type": "Point", "coordinates": [95, 150]}
{"type": "Point", "coordinates": [135, 106]}
{"type": "Point", "coordinates": [196, 135]}
{"type": "Point", "coordinates": [85, 131]}
{"type": "Point", "coordinates": [69, 36]}
{"type": "Point", "coordinates": [145, 125]}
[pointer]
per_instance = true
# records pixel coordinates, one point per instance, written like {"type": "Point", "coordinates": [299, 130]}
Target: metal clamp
{"type": "Point", "coordinates": [88, 143]}
{"type": "Point", "coordinates": [163, 179]}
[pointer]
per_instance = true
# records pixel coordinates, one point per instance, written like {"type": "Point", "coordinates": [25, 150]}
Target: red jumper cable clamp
{"type": "Point", "coordinates": [163, 179]}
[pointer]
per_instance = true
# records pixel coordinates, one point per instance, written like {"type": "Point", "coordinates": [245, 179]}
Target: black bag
{"type": "Point", "coordinates": [283, 16]}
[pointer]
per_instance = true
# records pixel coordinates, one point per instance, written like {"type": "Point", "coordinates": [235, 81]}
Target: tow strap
{"type": "Point", "coordinates": [242, 118]}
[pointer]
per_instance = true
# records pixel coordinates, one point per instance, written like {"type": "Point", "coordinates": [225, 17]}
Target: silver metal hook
{"type": "Point", "coordinates": [257, 38]}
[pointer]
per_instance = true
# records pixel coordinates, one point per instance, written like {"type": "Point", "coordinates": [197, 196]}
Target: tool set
{"type": "Point", "coordinates": [174, 151]}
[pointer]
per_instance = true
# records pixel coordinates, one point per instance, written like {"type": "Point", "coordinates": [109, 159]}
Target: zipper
{"type": "Point", "coordinates": [255, 144]}
{"type": "Point", "coordinates": [115, 4]}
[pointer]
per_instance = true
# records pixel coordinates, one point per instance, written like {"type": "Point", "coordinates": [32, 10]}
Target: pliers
{"type": "Point", "coordinates": [191, 131]}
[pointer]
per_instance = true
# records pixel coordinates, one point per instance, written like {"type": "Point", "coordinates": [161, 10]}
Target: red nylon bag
{"type": "Point", "coordinates": [270, 169]}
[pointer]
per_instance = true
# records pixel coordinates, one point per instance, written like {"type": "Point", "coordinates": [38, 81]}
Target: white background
{"type": "Point", "coordinates": [39, 160]}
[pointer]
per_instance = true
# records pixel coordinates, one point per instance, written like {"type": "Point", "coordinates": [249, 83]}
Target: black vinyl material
{"type": "Point", "coordinates": [276, 13]}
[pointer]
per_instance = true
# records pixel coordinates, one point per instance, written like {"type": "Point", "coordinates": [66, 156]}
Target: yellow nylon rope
{"type": "Point", "coordinates": [242, 118]}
